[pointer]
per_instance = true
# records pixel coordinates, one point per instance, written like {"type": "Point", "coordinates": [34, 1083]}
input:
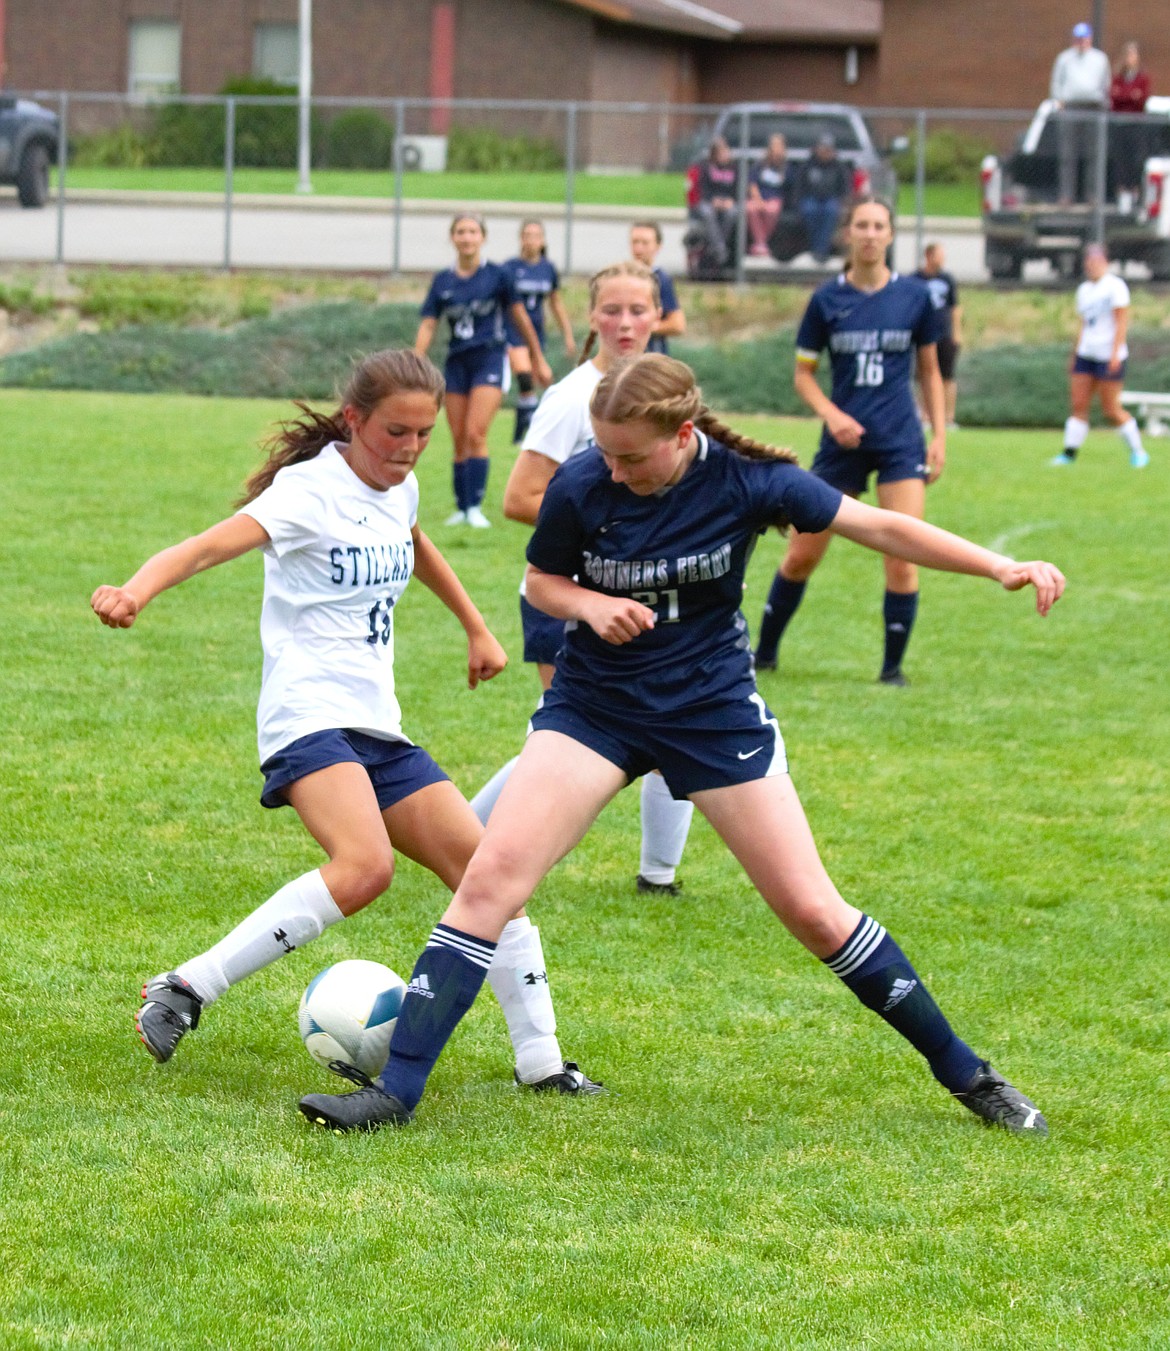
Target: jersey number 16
{"type": "Point", "coordinates": [870, 370]}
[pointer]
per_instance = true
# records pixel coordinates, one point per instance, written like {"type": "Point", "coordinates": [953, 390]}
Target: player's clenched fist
{"type": "Point", "coordinates": [617, 619]}
{"type": "Point", "coordinates": [115, 606]}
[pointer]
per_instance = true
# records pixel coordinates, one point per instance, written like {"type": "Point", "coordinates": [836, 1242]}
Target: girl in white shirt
{"type": "Point", "coordinates": [334, 509]}
{"type": "Point", "coordinates": [1098, 359]}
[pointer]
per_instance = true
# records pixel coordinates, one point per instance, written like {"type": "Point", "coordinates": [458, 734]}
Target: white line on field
{"type": "Point", "coordinates": [1001, 542]}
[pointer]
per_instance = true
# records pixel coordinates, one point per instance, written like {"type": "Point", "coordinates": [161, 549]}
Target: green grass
{"type": "Point", "coordinates": [773, 1168]}
{"type": "Point", "coordinates": [635, 190]}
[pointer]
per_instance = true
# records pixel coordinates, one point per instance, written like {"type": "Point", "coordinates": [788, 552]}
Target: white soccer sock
{"type": "Point", "coordinates": [299, 912]}
{"type": "Point", "coordinates": [1131, 435]}
{"type": "Point", "coordinates": [519, 981]}
{"type": "Point", "coordinates": [1075, 431]}
{"type": "Point", "coordinates": [483, 802]}
{"type": "Point", "coordinates": [665, 823]}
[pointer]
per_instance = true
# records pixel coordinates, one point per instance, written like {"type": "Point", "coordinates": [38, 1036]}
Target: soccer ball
{"type": "Point", "coordinates": [348, 1014]}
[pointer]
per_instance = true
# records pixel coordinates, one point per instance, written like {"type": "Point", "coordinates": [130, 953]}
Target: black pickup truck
{"type": "Point", "coordinates": [28, 146]}
{"type": "Point", "coordinates": [1023, 217]}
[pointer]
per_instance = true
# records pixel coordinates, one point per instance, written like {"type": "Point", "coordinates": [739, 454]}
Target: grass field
{"type": "Point", "coordinates": [649, 190]}
{"type": "Point", "coordinates": [773, 1168]}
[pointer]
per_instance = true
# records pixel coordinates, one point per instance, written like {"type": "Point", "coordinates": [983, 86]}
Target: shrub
{"type": "Point", "coordinates": [483, 149]}
{"type": "Point", "coordinates": [122, 147]}
{"type": "Point", "coordinates": [192, 135]}
{"type": "Point", "coordinates": [951, 157]}
{"type": "Point", "coordinates": [359, 139]}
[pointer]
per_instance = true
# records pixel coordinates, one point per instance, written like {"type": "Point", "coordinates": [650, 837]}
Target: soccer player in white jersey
{"type": "Point", "coordinates": [334, 509]}
{"type": "Point", "coordinates": [1098, 359]}
{"type": "Point", "coordinates": [624, 310]}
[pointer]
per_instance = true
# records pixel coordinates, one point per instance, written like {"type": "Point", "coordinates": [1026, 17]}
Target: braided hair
{"type": "Point", "coordinates": [663, 392]}
{"type": "Point", "coordinates": [373, 379]}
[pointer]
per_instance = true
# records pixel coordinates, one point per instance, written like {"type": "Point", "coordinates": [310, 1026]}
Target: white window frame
{"type": "Point", "coordinates": [153, 84]}
{"type": "Point", "coordinates": [287, 31]}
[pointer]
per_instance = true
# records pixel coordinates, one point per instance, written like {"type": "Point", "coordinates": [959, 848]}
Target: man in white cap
{"type": "Point", "coordinates": [1080, 86]}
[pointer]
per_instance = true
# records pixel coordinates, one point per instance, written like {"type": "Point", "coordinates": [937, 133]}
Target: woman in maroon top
{"type": "Point", "coordinates": [1128, 94]}
{"type": "Point", "coordinates": [717, 206]}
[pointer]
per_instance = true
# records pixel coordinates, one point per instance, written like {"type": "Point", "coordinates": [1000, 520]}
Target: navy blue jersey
{"type": "Point", "coordinates": [945, 296]}
{"type": "Point", "coordinates": [683, 553]}
{"type": "Point", "coordinates": [669, 303]}
{"type": "Point", "coordinates": [871, 337]}
{"type": "Point", "coordinates": [533, 283]}
{"type": "Point", "coordinates": [474, 306]}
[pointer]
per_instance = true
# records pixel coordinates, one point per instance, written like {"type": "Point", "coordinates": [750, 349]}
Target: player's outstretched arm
{"type": "Point", "coordinates": [901, 536]}
{"type": "Point", "coordinates": [616, 619]}
{"type": "Point", "coordinates": [119, 606]}
{"type": "Point", "coordinates": [485, 656]}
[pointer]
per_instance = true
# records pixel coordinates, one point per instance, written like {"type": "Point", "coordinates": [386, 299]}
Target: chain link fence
{"type": "Point", "coordinates": [253, 178]}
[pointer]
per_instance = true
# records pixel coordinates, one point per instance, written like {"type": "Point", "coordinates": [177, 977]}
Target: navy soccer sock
{"type": "Point", "coordinates": [875, 968]}
{"type": "Point", "coordinates": [459, 477]}
{"type": "Point", "coordinates": [783, 600]}
{"type": "Point", "coordinates": [898, 610]}
{"type": "Point", "coordinates": [477, 477]}
{"type": "Point", "coordinates": [443, 986]}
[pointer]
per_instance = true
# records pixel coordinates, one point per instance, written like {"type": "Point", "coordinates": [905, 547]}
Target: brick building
{"type": "Point", "coordinates": [891, 53]}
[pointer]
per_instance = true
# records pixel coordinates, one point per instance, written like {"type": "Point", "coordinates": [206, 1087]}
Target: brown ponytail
{"type": "Point", "coordinates": [373, 379]}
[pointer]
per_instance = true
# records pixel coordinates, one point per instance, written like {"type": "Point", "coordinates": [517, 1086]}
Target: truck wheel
{"type": "Point", "coordinates": [32, 179]}
{"type": "Point", "coordinates": [1005, 264]}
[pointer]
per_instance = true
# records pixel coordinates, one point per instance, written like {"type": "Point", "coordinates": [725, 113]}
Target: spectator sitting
{"type": "Point", "coordinates": [716, 207]}
{"type": "Point", "coordinates": [824, 186]}
{"type": "Point", "coordinates": [765, 199]}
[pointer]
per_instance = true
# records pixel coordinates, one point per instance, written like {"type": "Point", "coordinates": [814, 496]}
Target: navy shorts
{"type": "Point", "coordinates": [544, 636]}
{"type": "Point", "coordinates": [849, 470]}
{"type": "Point", "coordinates": [396, 768]}
{"type": "Point", "coordinates": [948, 355]}
{"type": "Point", "coordinates": [474, 366]}
{"type": "Point", "coordinates": [695, 749]}
{"type": "Point", "coordinates": [1099, 370]}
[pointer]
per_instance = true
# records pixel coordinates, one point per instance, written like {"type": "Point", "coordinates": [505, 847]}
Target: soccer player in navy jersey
{"type": "Point", "coordinates": [474, 297]}
{"type": "Point", "coordinates": [534, 279]}
{"type": "Point", "coordinates": [642, 546]}
{"type": "Point", "coordinates": [645, 242]}
{"type": "Point", "coordinates": [877, 327]}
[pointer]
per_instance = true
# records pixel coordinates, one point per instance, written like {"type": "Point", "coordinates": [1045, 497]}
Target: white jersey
{"type": "Point", "coordinates": [560, 426]}
{"type": "Point", "coordinates": [339, 557]}
{"type": "Point", "coordinates": [1096, 301]}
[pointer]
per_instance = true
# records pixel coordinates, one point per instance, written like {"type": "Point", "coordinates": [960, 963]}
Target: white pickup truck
{"type": "Point", "coordinates": [1023, 217]}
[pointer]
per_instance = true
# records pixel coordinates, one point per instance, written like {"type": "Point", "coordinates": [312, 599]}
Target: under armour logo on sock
{"type": "Point", "coordinates": [898, 991]}
{"type": "Point", "coordinates": [282, 937]}
{"type": "Point", "coordinates": [896, 628]}
{"type": "Point", "coordinates": [535, 977]}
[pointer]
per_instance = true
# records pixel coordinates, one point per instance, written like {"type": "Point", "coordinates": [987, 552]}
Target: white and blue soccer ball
{"type": "Point", "coordinates": [348, 1013]}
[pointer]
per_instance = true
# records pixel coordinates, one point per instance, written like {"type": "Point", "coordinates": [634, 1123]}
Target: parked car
{"type": "Point", "coordinates": [801, 125]}
{"type": "Point", "coordinates": [1023, 216]}
{"type": "Point", "coordinates": [28, 146]}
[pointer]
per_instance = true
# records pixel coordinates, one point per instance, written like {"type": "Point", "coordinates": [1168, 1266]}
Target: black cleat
{"type": "Point", "coordinates": [894, 677]}
{"type": "Point", "coordinates": [365, 1110]}
{"type": "Point", "coordinates": [170, 1008]}
{"type": "Point", "coordinates": [649, 888]}
{"type": "Point", "coordinates": [764, 663]}
{"type": "Point", "coordinates": [990, 1096]}
{"type": "Point", "coordinates": [569, 1080]}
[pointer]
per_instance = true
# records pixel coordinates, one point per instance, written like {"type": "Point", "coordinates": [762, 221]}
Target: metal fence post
{"type": "Point", "coordinates": [399, 132]}
{"type": "Point", "coordinates": [570, 182]}
{"type": "Point", "coordinates": [229, 172]}
{"type": "Point", "coordinates": [741, 178]}
{"type": "Point", "coordinates": [62, 161]}
{"type": "Point", "coordinates": [1100, 171]}
{"type": "Point", "coordinates": [919, 185]}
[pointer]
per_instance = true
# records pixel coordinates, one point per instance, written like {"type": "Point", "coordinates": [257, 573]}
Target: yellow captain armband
{"type": "Point", "coordinates": [810, 359]}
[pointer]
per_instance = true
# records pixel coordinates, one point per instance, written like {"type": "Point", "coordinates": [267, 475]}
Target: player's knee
{"type": "Point", "coordinates": [901, 576]}
{"type": "Point", "coordinates": [361, 878]}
